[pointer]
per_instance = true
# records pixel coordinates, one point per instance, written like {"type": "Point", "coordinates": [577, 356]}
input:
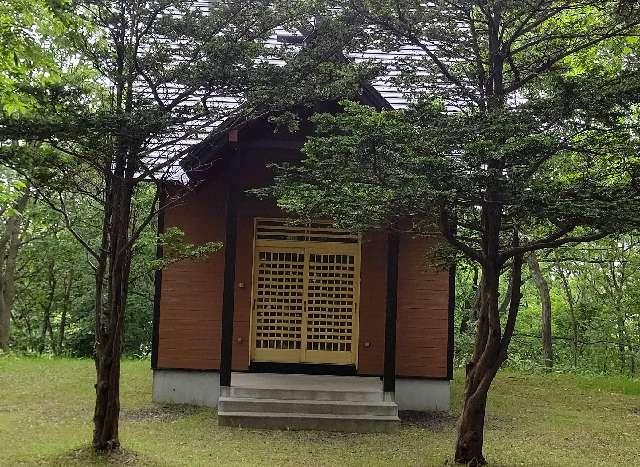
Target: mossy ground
{"type": "Point", "coordinates": [539, 419]}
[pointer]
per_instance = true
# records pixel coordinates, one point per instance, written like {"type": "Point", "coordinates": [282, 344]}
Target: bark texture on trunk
{"type": "Point", "coordinates": [489, 354]}
{"type": "Point", "coordinates": [480, 372]}
{"type": "Point", "coordinates": [545, 301]}
{"type": "Point", "coordinates": [470, 304]}
{"type": "Point", "coordinates": [46, 312]}
{"type": "Point", "coordinates": [10, 240]}
{"type": "Point", "coordinates": [572, 310]}
{"type": "Point", "coordinates": [66, 304]}
{"type": "Point", "coordinates": [112, 279]}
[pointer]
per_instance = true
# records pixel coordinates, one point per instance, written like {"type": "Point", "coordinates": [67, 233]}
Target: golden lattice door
{"type": "Point", "coordinates": [305, 294]}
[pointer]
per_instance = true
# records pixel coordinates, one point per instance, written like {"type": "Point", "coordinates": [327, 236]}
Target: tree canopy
{"type": "Point", "coordinates": [516, 143]}
{"type": "Point", "coordinates": [521, 138]}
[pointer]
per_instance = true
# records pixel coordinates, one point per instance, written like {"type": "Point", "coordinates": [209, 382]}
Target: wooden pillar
{"type": "Point", "coordinates": [389, 376]}
{"type": "Point", "coordinates": [228, 294]}
{"type": "Point", "coordinates": [162, 201]}
{"type": "Point", "coordinates": [452, 308]}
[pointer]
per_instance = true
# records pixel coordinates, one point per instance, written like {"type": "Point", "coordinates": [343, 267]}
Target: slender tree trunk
{"type": "Point", "coordinates": [477, 300]}
{"type": "Point", "coordinates": [480, 372]}
{"type": "Point", "coordinates": [572, 311]}
{"type": "Point", "coordinates": [9, 246]}
{"type": "Point", "coordinates": [545, 301]}
{"type": "Point", "coordinates": [65, 310]}
{"type": "Point", "coordinates": [469, 304]}
{"type": "Point", "coordinates": [489, 354]}
{"type": "Point", "coordinates": [114, 264]}
{"type": "Point", "coordinates": [27, 323]}
{"type": "Point", "coordinates": [46, 312]}
{"type": "Point", "coordinates": [490, 347]}
{"type": "Point", "coordinates": [504, 305]}
{"type": "Point", "coordinates": [5, 317]}
{"type": "Point", "coordinates": [110, 312]}
{"type": "Point", "coordinates": [622, 339]}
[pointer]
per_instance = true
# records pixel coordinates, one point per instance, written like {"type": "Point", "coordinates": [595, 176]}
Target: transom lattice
{"type": "Point", "coordinates": [286, 230]}
{"type": "Point", "coordinates": [306, 296]}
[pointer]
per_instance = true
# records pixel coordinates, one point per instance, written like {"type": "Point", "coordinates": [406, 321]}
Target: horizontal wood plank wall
{"type": "Point", "coordinates": [191, 301]}
{"type": "Point", "coordinates": [248, 210]}
{"type": "Point", "coordinates": [242, 313]}
{"type": "Point", "coordinates": [423, 320]}
{"type": "Point", "coordinates": [254, 173]}
{"type": "Point", "coordinates": [372, 303]}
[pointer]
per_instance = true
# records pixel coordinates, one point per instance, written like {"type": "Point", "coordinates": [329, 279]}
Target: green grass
{"type": "Point", "coordinates": [46, 407]}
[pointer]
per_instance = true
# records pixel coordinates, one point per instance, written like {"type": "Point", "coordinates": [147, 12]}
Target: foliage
{"type": "Point", "coordinates": [30, 39]}
{"type": "Point", "coordinates": [522, 137]}
{"type": "Point", "coordinates": [508, 150]}
{"type": "Point", "coordinates": [594, 305]}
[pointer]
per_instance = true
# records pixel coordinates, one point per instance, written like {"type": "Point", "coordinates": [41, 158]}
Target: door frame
{"type": "Point", "coordinates": [320, 247]}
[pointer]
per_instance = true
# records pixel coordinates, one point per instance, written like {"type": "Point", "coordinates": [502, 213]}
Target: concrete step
{"type": "Point", "coordinates": [304, 394]}
{"type": "Point", "coordinates": [306, 406]}
{"type": "Point", "coordinates": [308, 421]}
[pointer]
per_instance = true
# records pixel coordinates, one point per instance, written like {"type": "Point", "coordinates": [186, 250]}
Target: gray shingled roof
{"type": "Point", "coordinates": [384, 85]}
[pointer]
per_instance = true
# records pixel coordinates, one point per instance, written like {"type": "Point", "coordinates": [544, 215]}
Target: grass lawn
{"type": "Point", "coordinates": [46, 407]}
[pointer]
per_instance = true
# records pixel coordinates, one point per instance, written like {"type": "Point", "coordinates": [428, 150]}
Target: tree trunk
{"type": "Point", "coordinates": [572, 311]}
{"type": "Point", "coordinates": [9, 246]}
{"type": "Point", "coordinates": [622, 339]}
{"type": "Point", "coordinates": [470, 303]}
{"type": "Point", "coordinates": [504, 305]}
{"type": "Point", "coordinates": [545, 301]}
{"type": "Point", "coordinates": [489, 354]}
{"type": "Point", "coordinates": [46, 312]}
{"type": "Point", "coordinates": [113, 271]}
{"type": "Point", "coordinates": [480, 371]}
{"type": "Point", "coordinates": [66, 303]}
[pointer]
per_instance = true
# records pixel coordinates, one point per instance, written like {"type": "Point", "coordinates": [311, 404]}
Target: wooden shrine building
{"type": "Point", "coordinates": [294, 325]}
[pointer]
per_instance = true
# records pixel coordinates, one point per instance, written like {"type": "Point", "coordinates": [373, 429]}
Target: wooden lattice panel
{"type": "Point", "coordinates": [284, 230]}
{"type": "Point", "coordinates": [305, 290]}
{"type": "Point", "coordinates": [279, 301]}
{"type": "Point", "coordinates": [331, 302]}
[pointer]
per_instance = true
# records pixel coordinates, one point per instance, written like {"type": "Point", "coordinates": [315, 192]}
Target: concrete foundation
{"type": "Point", "coordinates": [423, 394]}
{"type": "Point", "coordinates": [186, 387]}
{"type": "Point", "coordinates": [203, 388]}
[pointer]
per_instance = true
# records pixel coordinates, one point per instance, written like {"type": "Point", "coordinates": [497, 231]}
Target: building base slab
{"type": "Point", "coordinates": [186, 387]}
{"type": "Point", "coordinates": [203, 388]}
{"type": "Point", "coordinates": [423, 394]}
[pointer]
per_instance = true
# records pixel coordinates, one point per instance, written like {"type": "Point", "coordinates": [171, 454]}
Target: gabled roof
{"type": "Point", "coordinates": [381, 92]}
{"type": "Point", "coordinates": [202, 153]}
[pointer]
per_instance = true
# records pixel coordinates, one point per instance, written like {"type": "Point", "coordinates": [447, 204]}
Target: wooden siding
{"type": "Point", "coordinates": [191, 300]}
{"type": "Point", "coordinates": [423, 315]}
{"type": "Point", "coordinates": [373, 288]}
{"type": "Point", "coordinates": [247, 211]}
{"type": "Point", "coordinates": [191, 297]}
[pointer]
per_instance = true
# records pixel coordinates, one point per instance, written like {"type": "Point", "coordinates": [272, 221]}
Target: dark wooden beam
{"type": "Point", "coordinates": [157, 285]}
{"type": "Point", "coordinates": [228, 294]}
{"type": "Point", "coordinates": [389, 376]}
{"type": "Point", "coordinates": [452, 308]}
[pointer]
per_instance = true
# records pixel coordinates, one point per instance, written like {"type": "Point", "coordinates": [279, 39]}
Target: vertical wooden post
{"type": "Point", "coordinates": [228, 294]}
{"type": "Point", "coordinates": [451, 308]}
{"type": "Point", "coordinates": [158, 278]}
{"type": "Point", "coordinates": [451, 312]}
{"type": "Point", "coordinates": [393, 249]}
